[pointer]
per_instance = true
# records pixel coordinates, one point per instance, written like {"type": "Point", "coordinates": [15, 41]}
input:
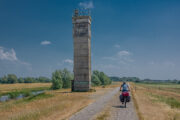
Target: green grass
{"type": "Point", "coordinates": [9, 105]}
{"type": "Point", "coordinates": [33, 97]}
{"type": "Point", "coordinates": [174, 103]}
{"type": "Point", "coordinates": [37, 97]}
{"type": "Point", "coordinates": [26, 92]}
{"type": "Point", "coordinates": [171, 101]}
{"type": "Point", "coordinates": [162, 86]}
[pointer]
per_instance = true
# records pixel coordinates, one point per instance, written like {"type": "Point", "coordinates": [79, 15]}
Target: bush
{"type": "Point", "coordinates": [66, 78]}
{"type": "Point", "coordinates": [4, 79]}
{"type": "Point", "coordinates": [95, 80]}
{"type": "Point", "coordinates": [11, 78]}
{"type": "Point", "coordinates": [20, 80]}
{"type": "Point", "coordinates": [29, 80]}
{"type": "Point", "coordinates": [42, 79]}
{"type": "Point", "coordinates": [57, 82]}
{"type": "Point", "coordinates": [13, 94]}
{"type": "Point", "coordinates": [103, 78]}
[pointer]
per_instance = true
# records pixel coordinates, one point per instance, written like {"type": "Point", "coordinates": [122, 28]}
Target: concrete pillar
{"type": "Point", "coordinates": [82, 51]}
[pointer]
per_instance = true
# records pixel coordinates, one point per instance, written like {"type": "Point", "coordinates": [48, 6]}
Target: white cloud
{"type": "Point", "coordinates": [45, 42]}
{"type": "Point", "coordinates": [87, 4]}
{"type": "Point", "coordinates": [10, 55]}
{"type": "Point", "coordinates": [10, 63]}
{"type": "Point", "coordinates": [7, 54]}
{"type": "Point", "coordinates": [123, 53]}
{"type": "Point", "coordinates": [69, 61]}
{"type": "Point", "coordinates": [117, 46]}
{"type": "Point", "coordinates": [121, 57]}
{"type": "Point", "coordinates": [66, 63]}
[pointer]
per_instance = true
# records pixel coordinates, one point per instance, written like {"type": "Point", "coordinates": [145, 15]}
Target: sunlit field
{"type": "Point", "coordinates": [157, 101]}
{"type": "Point", "coordinates": [53, 104]}
{"type": "Point", "coordinates": [4, 88]}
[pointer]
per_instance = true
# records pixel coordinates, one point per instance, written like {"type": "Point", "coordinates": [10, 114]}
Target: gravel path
{"type": "Point", "coordinates": [115, 108]}
{"type": "Point", "coordinates": [118, 112]}
{"type": "Point", "coordinates": [88, 112]}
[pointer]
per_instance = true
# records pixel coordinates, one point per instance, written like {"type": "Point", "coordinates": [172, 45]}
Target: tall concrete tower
{"type": "Point", "coordinates": [82, 50]}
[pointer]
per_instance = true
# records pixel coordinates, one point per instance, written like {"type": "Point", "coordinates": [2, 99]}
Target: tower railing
{"type": "Point", "coordinates": [82, 12]}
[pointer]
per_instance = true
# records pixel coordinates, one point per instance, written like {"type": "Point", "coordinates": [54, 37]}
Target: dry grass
{"type": "Point", "coordinates": [151, 108]}
{"type": "Point", "coordinates": [59, 104]}
{"type": "Point", "coordinates": [12, 87]}
{"type": "Point", "coordinates": [103, 115]}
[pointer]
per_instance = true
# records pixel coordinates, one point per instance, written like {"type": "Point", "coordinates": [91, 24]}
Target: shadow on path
{"type": "Point", "coordinates": [120, 106]}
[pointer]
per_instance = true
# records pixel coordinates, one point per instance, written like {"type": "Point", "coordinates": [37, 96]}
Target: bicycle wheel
{"type": "Point", "coordinates": [125, 102]}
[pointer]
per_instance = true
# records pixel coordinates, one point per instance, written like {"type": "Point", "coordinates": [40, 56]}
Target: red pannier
{"type": "Point", "coordinates": [125, 94]}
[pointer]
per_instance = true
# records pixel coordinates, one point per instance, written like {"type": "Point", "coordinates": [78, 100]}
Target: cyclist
{"type": "Point", "coordinates": [124, 87]}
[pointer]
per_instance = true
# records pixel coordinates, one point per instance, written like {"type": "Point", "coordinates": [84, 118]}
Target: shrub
{"type": "Point", "coordinates": [104, 79]}
{"type": "Point", "coordinates": [57, 82]}
{"type": "Point", "coordinates": [95, 80]}
{"type": "Point", "coordinates": [11, 78]}
{"type": "Point", "coordinates": [66, 78]}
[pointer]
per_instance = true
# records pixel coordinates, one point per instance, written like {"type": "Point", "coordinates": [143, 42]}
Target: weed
{"type": "Point", "coordinates": [36, 97]}
{"type": "Point", "coordinates": [174, 103]}
{"type": "Point", "coordinates": [103, 115]}
{"type": "Point", "coordinates": [92, 90]}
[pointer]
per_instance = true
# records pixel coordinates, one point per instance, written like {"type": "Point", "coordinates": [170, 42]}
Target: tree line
{"type": "Point", "coordinates": [138, 80]}
{"type": "Point", "coordinates": [120, 79]}
{"type": "Point", "coordinates": [60, 79]}
{"type": "Point", "coordinates": [12, 78]}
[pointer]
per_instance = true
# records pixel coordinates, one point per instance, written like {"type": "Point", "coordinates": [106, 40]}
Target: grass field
{"type": "Point", "coordinates": [157, 101]}
{"type": "Point", "coordinates": [58, 104]}
{"type": "Point", "coordinates": [4, 88]}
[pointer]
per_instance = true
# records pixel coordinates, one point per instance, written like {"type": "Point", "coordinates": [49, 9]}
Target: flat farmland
{"type": "Point", "coordinates": [157, 101]}
{"type": "Point", "coordinates": [4, 88]}
{"type": "Point", "coordinates": [53, 104]}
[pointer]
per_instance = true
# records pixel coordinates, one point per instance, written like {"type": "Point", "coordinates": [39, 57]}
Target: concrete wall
{"type": "Point", "coordinates": [82, 52]}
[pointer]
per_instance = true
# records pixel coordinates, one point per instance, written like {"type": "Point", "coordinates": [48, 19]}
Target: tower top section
{"type": "Point", "coordinates": [81, 12]}
{"type": "Point", "coordinates": [81, 16]}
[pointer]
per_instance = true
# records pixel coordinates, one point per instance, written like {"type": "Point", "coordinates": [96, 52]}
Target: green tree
{"type": "Point", "coordinates": [105, 80]}
{"type": "Point", "coordinates": [95, 80]}
{"type": "Point", "coordinates": [29, 80]}
{"type": "Point", "coordinates": [20, 80]}
{"type": "Point", "coordinates": [97, 73]}
{"type": "Point", "coordinates": [57, 82]}
{"type": "Point", "coordinates": [4, 79]}
{"type": "Point", "coordinates": [66, 78]}
{"type": "Point", "coordinates": [42, 79]}
{"type": "Point", "coordinates": [11, 78]}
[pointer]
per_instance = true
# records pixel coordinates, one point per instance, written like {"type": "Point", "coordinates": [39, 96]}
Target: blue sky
{"type": "Point", "coordinates": [129, 37]}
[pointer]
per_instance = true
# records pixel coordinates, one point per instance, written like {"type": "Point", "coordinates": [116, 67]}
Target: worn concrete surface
{"type": "Point", "coordinates": [91, 110]}
{"type": "Point", "coordinates": [82, 52]}
{"type": "Point", "coordinates": [119, 112]}
{"type": "Point", "coordinates": [110, 101]}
